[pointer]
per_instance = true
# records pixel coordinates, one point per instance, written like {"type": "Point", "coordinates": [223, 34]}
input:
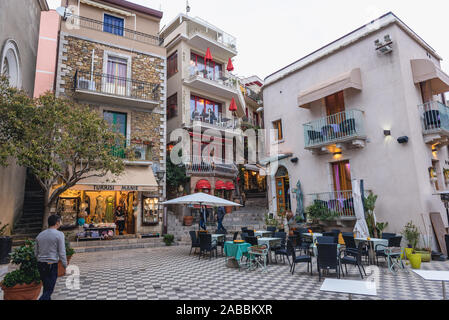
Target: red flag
{"type": "Point", "coordinates": [208, 55]}
{"type": "Point", "coordinates": [230, 66]}
{"type": "Point", "coordinates": [233, 106]}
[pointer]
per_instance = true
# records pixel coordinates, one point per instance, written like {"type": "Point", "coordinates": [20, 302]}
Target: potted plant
{"type": "Point", "coordinates": [380, 227]}
{"type": "Point", "coordinates": [23, 283]}
{"type": "Point", "coordinates": [69, 252]}
{"type": "Point", "coordinates": [412, 235]}
{"type": "Point", "coordinates": [169, 239]}
{"type": "Point", "coordinates": [5, 245]}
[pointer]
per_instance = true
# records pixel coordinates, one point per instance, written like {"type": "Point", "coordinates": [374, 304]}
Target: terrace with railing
{"type": "Point", "coordinates": [338, 202]}
{"type": "Point", "coordinates": [222, 78]}
{"type": "Point", "coordinates": [84, 22]}
{"type": "Point", "coordinates": [345, 126]}
{"type": "Point", "coordinates": [137, 152]}
{"type": "Point", "coordinates": [199, 26]}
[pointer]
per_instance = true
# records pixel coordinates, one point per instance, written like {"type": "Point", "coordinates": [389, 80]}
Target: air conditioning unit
{"type": "Point", "coordinates": [140, 153]}
{"type": "Point", "coordinates": [86, 84]}
{"type": "Point", "coordinates": [385, 46]}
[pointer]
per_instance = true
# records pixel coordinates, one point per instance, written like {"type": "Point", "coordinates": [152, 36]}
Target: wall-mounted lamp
{"type": "Point", "coordinates": [403, 139]}
{"type": "Point", "coordinates": [339, 153]}
{"type": "Point", "coordinates": [387, 133]}
{"type": "Point", "coordinates": [294, 160]}
{"type": "Point", "coordinates": [434, 149]}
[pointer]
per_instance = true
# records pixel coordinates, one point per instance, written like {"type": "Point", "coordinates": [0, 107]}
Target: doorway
{"type": "Point", "coordinates": [283, 190]}
{"type": "Point", "coordinates": [341, 176]}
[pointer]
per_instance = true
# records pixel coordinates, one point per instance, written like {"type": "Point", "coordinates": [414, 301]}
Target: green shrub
{"type": "Point", "coordinates": [26, 260]}
{"type": "Point", "coordinates": [318, 211]}
{"type": "Point", "coordinates": [169, 239]}
{"type": "Point", "coordinates": [412, 234]}
{"type": "Point", "coordinates": [69, 251]}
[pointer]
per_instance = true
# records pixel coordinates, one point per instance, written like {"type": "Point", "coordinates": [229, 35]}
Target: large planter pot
{"type": "Point", "coordinates": [408, 252]}
{"type": "Point", "coordinates": [415, 260]}
{"type": "Point", "coordinates": [61, 269]}
{"type": "Point", "coordinates": [22, 291]}
{"type": "Point", "coordinates": [5, 249]}
{"type": "Point", "coordinates": [188, 221]}
{"type": "Point", "coordinates": [426, 256]}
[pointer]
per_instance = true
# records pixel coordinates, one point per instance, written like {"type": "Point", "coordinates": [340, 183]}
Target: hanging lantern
{"type": "Point", "coordinates": [230, 66]}
{"type": "Point", "coordinates": [233, 106]}
{"type": "Point", "coordinates": [208, 55]}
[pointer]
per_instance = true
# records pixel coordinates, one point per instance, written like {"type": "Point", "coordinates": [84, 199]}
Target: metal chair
{"type": "Point", "coordinates": [298, 259]}
{"type": "Point", "coordinates": [353, 260]}
{"type": "Point", "coordinates": [325, 239]}
{"type": "Point", "coordinates": [282, 251]}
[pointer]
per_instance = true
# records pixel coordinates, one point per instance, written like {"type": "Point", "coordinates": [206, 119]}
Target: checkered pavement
{"type": "Point", "coordinates": [169, 273]}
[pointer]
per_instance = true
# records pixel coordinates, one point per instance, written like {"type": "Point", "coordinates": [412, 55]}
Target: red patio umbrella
{"type": "Point", "coordinates": [233, 106]}
{"type": "Point", "coordinates": [230, 66]}
{"type": "Point", "coordinates": [208, 55]}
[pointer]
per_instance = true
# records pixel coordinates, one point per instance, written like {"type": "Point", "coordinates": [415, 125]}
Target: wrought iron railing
{"type": "Point", "coordinates": [83, 22]}
{"type": "Point", "coordinates": [220, 77]}
{"type": "Point", "coordinates": [116, 86]}
{"type": "Point", "coordinates": [335, 128]}
{"type": "Point", "coordinates": [338, 202]}
{"type": "Point", "coordinates": [218, 121]}
{"type": "Point", "coordinates": [434, 117]}
{"type": "Point", "coordinates": [253, 95]}
{"type": "Point", "coordinates": [198, 164]}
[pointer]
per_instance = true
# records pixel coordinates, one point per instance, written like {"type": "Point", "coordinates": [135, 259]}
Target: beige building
{"type": "Point", "coordinates": [110, 57]}
{"type": "Point", "coordinates": [200, 91]}
{"type": "Point", "coordinates": [18, 49]}
{"type": "Point", "coordinates": [368, 106]}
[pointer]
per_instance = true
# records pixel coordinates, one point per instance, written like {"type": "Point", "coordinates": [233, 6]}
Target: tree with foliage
{"type": "Point", "coordinates": [59, 141]}
{"type": "Point", "coordinates": [176, 175]}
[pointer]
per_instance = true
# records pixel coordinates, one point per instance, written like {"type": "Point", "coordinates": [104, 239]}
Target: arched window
{"type": "Point", "coordinates": [282, 172]}
{"type": "Point", "coordinates": [10, 63]}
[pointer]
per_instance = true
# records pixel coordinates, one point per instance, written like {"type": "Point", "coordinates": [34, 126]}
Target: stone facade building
{"type": "Point", "coordinates": [110, 57]}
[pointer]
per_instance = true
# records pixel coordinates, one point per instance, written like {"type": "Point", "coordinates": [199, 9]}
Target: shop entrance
{"type": "Point", "coordinates": [283, 190]}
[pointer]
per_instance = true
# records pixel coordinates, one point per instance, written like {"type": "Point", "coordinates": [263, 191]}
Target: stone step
{"type": "Point", "coordinates": [114, 242]}
{"type": "Point", "coordinates": [122, 247]}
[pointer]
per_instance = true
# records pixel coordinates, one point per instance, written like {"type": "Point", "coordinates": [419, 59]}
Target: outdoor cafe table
{"type": "Point", "coordinates": [262, 233]}
{"type": "Point", "coordinates": [373, 242]}
{"type": "Point", "coordinates": [433, 275]}
{"type": "Point", "coordinates": [269, 242]}
{"type": "Point", "coordinates": [364, 288]}
{"type": "Point", "coordinates": [235, 250]}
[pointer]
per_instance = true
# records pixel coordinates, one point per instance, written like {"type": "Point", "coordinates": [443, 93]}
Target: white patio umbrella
{"type": "Point", "coordinates": [361, 228]}
{"type": "Point", "coordinates": [202, 199]}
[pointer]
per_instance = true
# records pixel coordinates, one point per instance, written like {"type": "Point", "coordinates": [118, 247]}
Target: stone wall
{"type": "Point", "coordinates": [145, 125]}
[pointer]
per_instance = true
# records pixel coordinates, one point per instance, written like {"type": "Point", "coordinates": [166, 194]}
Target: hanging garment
{"type": "Point", "coordinates": [109, 216]}
{"type": "Point", "coordinates": [99, 209]}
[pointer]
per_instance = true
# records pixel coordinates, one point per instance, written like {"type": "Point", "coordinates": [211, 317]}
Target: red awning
{"type": "Point", "coordinates": [230, 186]}
{"type": "Point", "coordinates": [220, 185]}
{"type": "Point", "coordinates": [233, 106]}
{"type": "Point", "coordinates": [208, 55]}
{"type": "Point", "coordinates": [230, 66]}
{"type": "Point", "coordinates": [203, 184]}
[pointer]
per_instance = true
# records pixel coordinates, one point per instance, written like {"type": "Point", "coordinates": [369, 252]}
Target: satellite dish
{"type": "Point", "coordinates": [63, 12]}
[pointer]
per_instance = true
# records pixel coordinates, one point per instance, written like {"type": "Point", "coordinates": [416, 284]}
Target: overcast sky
{"type": "Point", "coordinates": [274, 33]}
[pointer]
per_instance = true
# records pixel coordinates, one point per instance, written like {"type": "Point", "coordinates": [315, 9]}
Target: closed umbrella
{"type": "Point", "coordinates": [361, 228]}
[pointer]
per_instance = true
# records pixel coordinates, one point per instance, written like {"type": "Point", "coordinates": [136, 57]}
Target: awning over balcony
{"type": "Point", "coordinates": [424, 70]}
{"type": "Point", "coordinates": [230, 186]}
{"type": "Point", "coordinates": [132, 179]}
{"type": "Point", "coordinates": [220, 185]}
{"type": "Point", "coordinates": [202, 184]}
{"type": "Point", "coordinates": [351, 79]}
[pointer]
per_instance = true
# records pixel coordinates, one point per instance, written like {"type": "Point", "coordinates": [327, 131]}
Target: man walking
{"type": "Point", "coordinates": [49, 249]}
{"type": "Point", "coordinates": [220, 216]}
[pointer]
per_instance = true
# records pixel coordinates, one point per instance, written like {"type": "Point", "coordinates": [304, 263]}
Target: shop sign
{"type": "Point", "coordinates": [130, 188]}
{"type": "Point", "coordinates": [103, 188]}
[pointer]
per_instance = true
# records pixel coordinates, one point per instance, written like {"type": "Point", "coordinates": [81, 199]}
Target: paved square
{"type": "Point", "coordinates": [170, 273]}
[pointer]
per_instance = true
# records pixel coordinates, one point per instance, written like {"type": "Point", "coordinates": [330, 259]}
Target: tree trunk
{"type": "Point", "coordinates": [47, 206]}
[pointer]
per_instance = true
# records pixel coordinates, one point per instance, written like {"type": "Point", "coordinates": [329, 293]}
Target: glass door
{"type": "Point", "coordinates": [116, 76]}
{"type": "Point", "coordinates": [118, 123]}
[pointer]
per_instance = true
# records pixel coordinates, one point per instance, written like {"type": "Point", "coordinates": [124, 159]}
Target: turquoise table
{"type": "Point", "coordinates": [236, 250]}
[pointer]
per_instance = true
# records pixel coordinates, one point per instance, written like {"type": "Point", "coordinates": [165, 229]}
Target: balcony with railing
{"type": "Point", "coordinates": [213, 121]}
{"type": "Point", "coordinates": [204, 35]}
{"type": "Point", "coordinates": [435, 122]}
{"type": "Point", "coordinates": [197, 165]}
{"type": "Point", "coordinates": [339, 203]}
{"type": "Point", "coordinates": [79, 22]}
{"type": "Point", "coordinates": [118, 90]}
{"type": "Point", "coordinates": [344, 127]}
{"type": "Point", "coordinates": [257, 97]}
{"type": "Point", "coordinates": [220, 83]}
